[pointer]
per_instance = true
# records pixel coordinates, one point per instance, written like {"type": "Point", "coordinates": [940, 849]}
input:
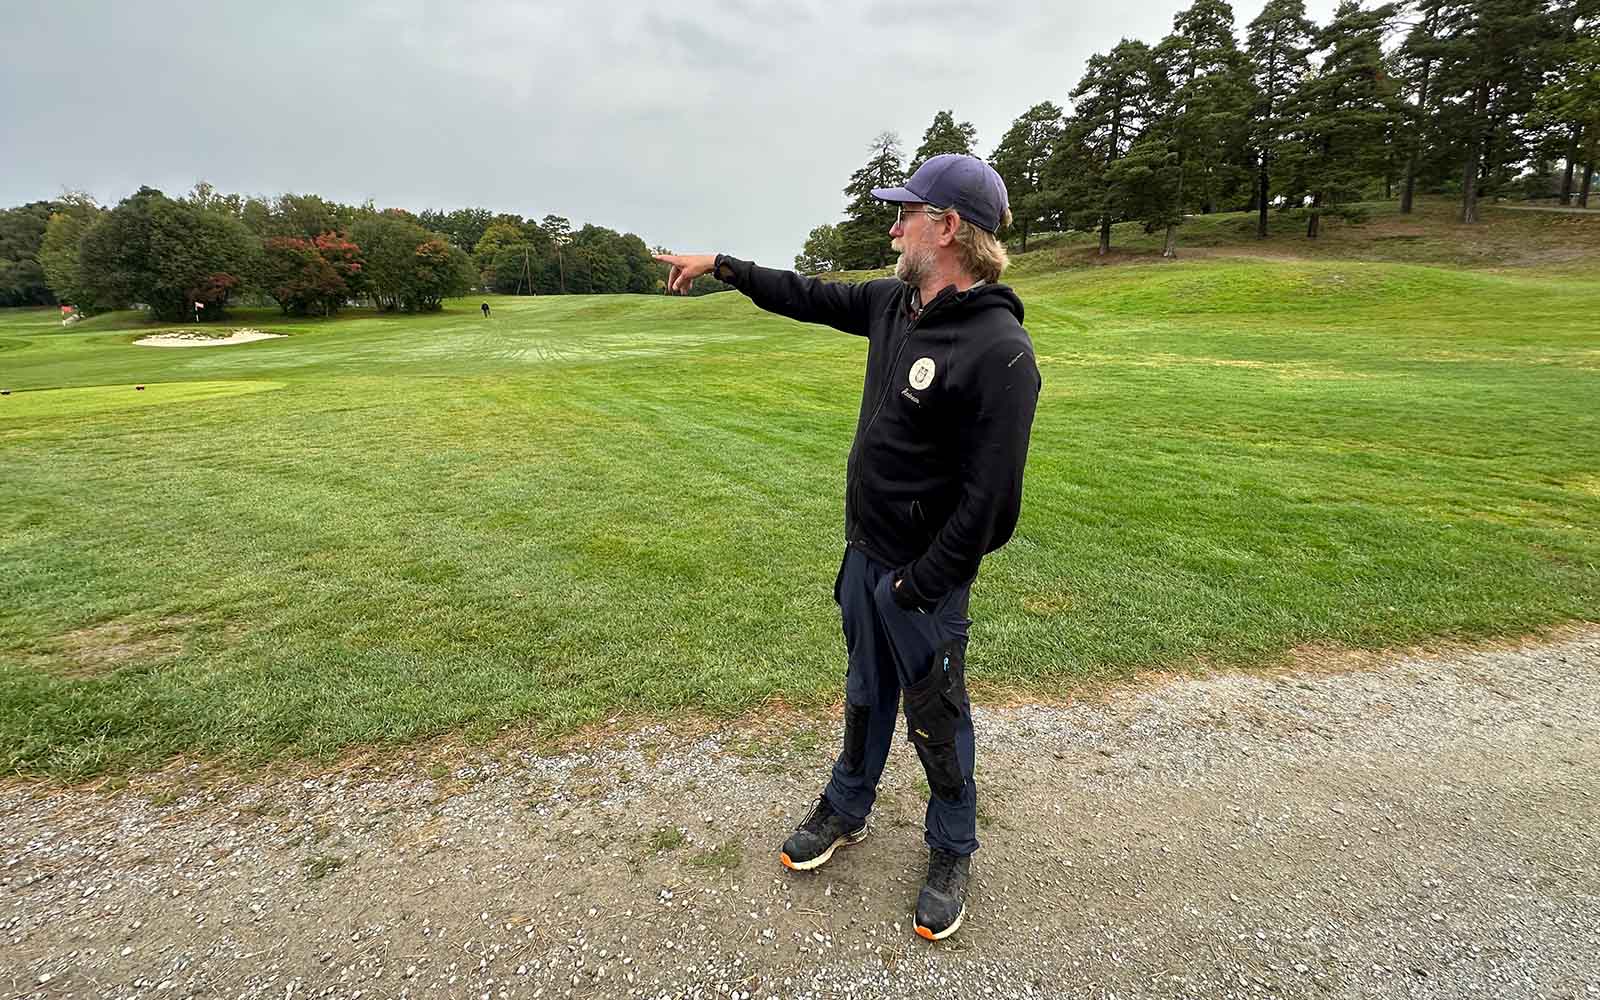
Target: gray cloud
{"type": "Point", "coordinates": [731, 126]}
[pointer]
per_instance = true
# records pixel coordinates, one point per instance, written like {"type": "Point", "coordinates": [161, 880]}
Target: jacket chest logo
{"type": "Point", "coordinates": [922, 371]}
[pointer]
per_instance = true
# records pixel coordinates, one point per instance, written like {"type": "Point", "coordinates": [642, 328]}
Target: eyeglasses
{"type": "Point", "coordinates": [907, 206]}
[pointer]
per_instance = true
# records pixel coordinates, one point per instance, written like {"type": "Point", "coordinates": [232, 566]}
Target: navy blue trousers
{"type": "Point", "coordinates": [891, 649]}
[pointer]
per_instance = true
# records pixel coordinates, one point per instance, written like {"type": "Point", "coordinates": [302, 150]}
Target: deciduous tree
{"type": "Point", "coordinates": [821, 251]}
{"type": "Point", "coordinates": [439, 270]}
{"type": "Point", "coordinates": [169, 255]}
{"type": "Point", "coordinates": [59, 252]}
{"type": "Point", "coordinates": [389, 246]}
{"type": "Point", "coordinates": [22, 277]}
{"type": "Point", "coordinates": [463, 227]}
{"type": "Point", "coordinates": [311, 276]}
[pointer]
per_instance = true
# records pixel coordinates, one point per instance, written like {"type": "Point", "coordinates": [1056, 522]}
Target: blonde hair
{"type": "Point", "coordinates": [981, 253]}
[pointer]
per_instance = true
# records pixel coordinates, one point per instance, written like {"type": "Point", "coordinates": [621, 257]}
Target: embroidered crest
{"type": "Point", "coordinates": [922, 373]}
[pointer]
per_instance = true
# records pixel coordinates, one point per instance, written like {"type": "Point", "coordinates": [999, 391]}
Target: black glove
{"type": "Point", "coordinates": [906, 595]}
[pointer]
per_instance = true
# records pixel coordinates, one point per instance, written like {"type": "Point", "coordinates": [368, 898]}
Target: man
{"type": "Point", "coordinates": [485, 308]}
{"type": "Point", "coordinates": [934, 483]}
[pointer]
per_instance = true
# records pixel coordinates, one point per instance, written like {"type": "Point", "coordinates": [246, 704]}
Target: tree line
{"type": "Point", "coordinates": [195, 255]}
{"type": "Point", "coordinates": [1461, 98]}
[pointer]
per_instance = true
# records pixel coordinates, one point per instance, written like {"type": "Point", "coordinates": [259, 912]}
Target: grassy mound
{"type": "Point", "coordinates": [1547, 242]}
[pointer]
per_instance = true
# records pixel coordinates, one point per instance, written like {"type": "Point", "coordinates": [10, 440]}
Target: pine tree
{"type": "Point", "coordinates": [863, 238]}
{"type": "Point", "coordinates": [559, 229]}
{"type": "Point", "coordinates": [1392, 66]}
{"type": "Point", "coordinates": [1204, 105]}
{"type": "Point", "coordinates": [1111, 110]}
{"type": "Point", "coordinates": [1492, 56]}
{"type": "Point", "coordinates": [1074, 187]}
{"type": "Point", "coordinates": [1020, 160]}
{"type": "Point", "coordinates": [1571, 101]}
{"type": "Point", "coordinates": [1419, 56]}
{"type": "Point", "coordinates": [1278, 41]}
{"type": "Point", "coordinates": [944, 136]}
{"type": "Point", "coordinates": [1344, 111]}
{"type": "Point", "coordinates": [1566, 115]}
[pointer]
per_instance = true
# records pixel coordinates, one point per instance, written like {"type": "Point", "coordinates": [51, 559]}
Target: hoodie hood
{"type": "Point", "coordinates": [950, 304]}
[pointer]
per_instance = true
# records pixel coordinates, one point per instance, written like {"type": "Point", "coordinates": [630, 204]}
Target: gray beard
{"type": "Point", "coordinates": [912, 267]}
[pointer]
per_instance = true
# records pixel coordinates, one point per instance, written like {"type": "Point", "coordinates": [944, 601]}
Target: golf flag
{"type": "Point", "coordinates": [199, 305]}
{"type": "Point", "coordinates": [66, 310]}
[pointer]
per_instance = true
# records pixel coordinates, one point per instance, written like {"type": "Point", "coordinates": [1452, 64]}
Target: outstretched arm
{"type": "Point", "coordinates": [839, 304]}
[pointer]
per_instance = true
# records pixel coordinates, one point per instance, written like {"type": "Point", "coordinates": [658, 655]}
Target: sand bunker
{"type": "Point", "coordinates": [178, 338]}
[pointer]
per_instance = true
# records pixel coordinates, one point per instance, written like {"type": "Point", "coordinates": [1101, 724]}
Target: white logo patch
{"type": "Point", "coordinates": [922, 373]}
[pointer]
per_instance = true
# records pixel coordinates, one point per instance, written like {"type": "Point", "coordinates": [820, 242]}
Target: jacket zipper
{"type": "Point", "coordinates": [888, 388]}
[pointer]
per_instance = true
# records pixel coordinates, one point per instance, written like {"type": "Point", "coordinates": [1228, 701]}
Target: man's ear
{"type": "Point", "coordinates": [949, 224]}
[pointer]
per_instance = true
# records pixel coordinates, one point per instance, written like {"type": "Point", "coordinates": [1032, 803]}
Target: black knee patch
{"type": "Point", "coordinates": [934, 707]}
{"type": "Point", "coordinates": [856, 718]}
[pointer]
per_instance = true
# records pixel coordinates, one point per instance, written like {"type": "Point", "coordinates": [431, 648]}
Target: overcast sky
{"type": "Point", "coordinates": [729, 125]}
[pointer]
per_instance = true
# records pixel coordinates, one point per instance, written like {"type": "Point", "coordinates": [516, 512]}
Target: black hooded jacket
{"type": "Point", "coordinates": [934, 481]}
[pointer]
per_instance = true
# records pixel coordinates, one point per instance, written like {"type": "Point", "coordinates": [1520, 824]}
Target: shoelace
{"type": "Point", "coordinates": [820, 814]}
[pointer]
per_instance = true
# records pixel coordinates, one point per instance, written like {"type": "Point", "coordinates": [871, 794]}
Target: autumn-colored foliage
{"type": "Point", "coordinates": [312, 277]}
{"type": "Point", "coordinates": [437, 275]}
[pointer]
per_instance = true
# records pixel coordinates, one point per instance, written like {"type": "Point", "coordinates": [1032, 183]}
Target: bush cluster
{"type": "Point", "coordinates": [194, 255]}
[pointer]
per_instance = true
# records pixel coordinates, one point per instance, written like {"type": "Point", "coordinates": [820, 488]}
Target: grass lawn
{"type": "Point", "coordinates": [381, 528]}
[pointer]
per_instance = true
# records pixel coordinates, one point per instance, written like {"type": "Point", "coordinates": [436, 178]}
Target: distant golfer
{"type": "Point", "coordinates": [485, 308]}
{"type": "Point", "coordinates": [934, 483]}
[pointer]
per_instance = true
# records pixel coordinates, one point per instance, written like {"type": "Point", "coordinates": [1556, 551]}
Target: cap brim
{"type": "Point", "coordinates": [894, 194]}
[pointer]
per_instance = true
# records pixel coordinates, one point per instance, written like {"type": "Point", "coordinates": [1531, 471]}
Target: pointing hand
{"type": "Point", "coordinates": [686, 268]}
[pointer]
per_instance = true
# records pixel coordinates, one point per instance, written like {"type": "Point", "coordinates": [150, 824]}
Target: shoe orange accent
{"type": "Point", "coordinates": [924, 932]}
{"type": "Point", "coordinates": [784, 857]}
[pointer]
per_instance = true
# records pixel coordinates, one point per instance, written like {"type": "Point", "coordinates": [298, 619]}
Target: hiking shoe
{"type": "Point", "coordinates": [818, 836]}
{"type": "Point", "coordinates": [943, 900]}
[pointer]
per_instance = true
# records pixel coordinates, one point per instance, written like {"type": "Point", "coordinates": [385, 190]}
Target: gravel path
{"type": "Point", "coordinates": [1421, 827]}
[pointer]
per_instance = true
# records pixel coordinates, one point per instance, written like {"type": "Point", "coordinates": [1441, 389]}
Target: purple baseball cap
{"type": "Point", "coordinates": [954, 180]}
